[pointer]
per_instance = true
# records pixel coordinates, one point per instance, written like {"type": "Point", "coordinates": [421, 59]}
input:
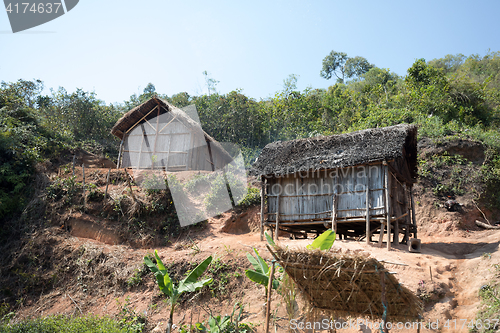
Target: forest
{"type": "Point", "coordinates": [454, 96]}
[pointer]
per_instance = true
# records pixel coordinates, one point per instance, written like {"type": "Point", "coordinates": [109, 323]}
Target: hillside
{"type": "Point", "coordinates": [68, 248]}
{"type": "Point", "coordinates": [89, 260]}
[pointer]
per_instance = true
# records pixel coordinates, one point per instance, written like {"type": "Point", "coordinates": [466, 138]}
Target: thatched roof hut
{"type": "Point", "coordinates": [340, 151]}
{"type": "Point", "coordinates": [357, 183]}
{"type": "Point", "coordinates": [158, 135]}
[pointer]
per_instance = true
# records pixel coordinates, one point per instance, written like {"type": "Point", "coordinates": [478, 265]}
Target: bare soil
{"type": "Point", "coordinates": [92, 261]}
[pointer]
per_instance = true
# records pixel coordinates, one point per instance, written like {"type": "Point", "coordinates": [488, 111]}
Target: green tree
{"type": "Point", "coordinates": [343, 67]}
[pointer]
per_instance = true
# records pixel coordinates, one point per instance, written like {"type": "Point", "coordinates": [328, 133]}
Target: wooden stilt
{"type": "Point", "coordinates": [262, 199]}
{"type": "Point", "coordinates": [396, 223]}
{"type": "Point", "coordinates": [277, 216]}
{"type": "Point", "coordinates": [107, 183]}
{"type": "Point", "coordinates": [84, 198]}
{"type": "Point", "coordinates": [119, 162]}
{"type": "Point", "coordinates": [368, 229]}
{"type": "Point", "coordinates": [413, 213]}
{"type": "Point", "coordinates": [382, 225]}
{"type": "Point", "coordinates": [269, 291]}
{"type": "Point", "coordinates": [384, 301]}
{"type": "Point", "coordinates": [334, 213]}
{"type": "Point", "coordinates": [388, 204]}
{"type": "Point", "coordinates": [408, 217]}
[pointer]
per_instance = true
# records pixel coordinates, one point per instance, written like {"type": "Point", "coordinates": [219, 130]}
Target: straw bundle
{"type": "Point", "coordinates": [346, 284]}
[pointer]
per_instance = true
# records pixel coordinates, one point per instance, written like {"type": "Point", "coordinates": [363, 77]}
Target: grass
{"type": "Point", "coordinates": [68, 324]}
{"type": "Point", "coordinates": [490, 309]}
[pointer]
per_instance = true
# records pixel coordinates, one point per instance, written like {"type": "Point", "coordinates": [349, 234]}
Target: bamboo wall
{"type": "Point", "coordinates": [311, 197]}
{"type": "Point", "coordinates": [311, 202]}
{"type": "Point", "coordinates": [166, 142]}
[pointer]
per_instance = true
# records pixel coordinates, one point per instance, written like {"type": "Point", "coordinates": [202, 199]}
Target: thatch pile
{"type": "Point", "coordinates": [339, 151]}
{"type": "Point", "coordinates": [345, 284]}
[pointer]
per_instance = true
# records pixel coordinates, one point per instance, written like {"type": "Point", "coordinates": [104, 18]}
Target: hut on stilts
{"type": "Point", "coordinates": [359, 184]}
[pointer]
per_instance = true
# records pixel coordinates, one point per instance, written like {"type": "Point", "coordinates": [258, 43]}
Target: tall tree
{"type": "Point", "coordinates": [343, 66]}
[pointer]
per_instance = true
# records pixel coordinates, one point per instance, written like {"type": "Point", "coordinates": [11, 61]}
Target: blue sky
{"type": "Point", "coordinates": [116, 47]}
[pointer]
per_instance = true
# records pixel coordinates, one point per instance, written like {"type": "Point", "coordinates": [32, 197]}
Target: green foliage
{"type": "Point", "coordinates": [220, 324]}
{"type": "Point", "coordinates": [490, 308]}
{"type": "Point", "coordinates": [342, 66]}
{"type": "Point", "coordinates": [128, 318]}
{"type": "Point", "coordinates": [252, 198]}
{"type": "Point", "coordinates": [66, 324]}
{"type": "Point", "coordinates": [189, 284]}
{"type": "Point", "coordinates": [223, 183]}
{"type": "Point", "coordinates": [222, 272]}
{"type": "Point", "coordinates": [324, 241]}
{"type": "Point", "coordinates": [260, 272]}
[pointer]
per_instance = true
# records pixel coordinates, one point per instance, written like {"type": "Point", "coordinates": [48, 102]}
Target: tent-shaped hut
{"type": "Point", "coordinates": [157, 135]}
{"type": "Point", "coordinates": [358, 183]}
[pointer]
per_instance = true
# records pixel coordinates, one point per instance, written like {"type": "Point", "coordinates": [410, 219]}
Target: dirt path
{"type": "Point", "coordinates": [459, 265]}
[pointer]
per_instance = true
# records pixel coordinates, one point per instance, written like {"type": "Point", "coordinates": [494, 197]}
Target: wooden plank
{"type": "Point", "coordinates": [368, 231]}
{"type": "Point", "coordinates": [398, 212]}
{"type": "Point", "coordinates": [413, 212]}
{"type": "Point", "coordinates": [168, 124]}
{"type": "Point", "coordinates": [389, 204]}
{"type": "Point", "coordinates": [262, 198]}
{"type": "Point", "coordinates": [118, 162]}
{"type": "Point", "coordinates": [210, 154]}
{"type": "Point", "coordinates": [131, 128]}
{"type": "Point", "coordinates": [162, 152]}
{"type": "Point", "coordinates": [385, 199]}
{"type": "Point", "coordinates": [334, 213]}
{"type": "Point", "coordinates": [277, 216]}
{"type": "Point", "coordinates": [156, 137]}
{"type": "Point", "coordinates": [166, 134]}
{"type": "Point", "coordinates": [408, 215]}
{"type": "Point", "coordinates": [329, 193]}
{"type": "Point", "coordinates": [190, 151]}
{"type": "Point", "coordinates": [107, 183]}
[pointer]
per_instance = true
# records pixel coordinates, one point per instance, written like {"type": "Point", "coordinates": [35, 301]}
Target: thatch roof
{"type": "Point", "coordinates": [348, 284]}
{"type": "Point", "coordinates": [339, 151]}
{"type": "Point", "coordinates": [130, 118]}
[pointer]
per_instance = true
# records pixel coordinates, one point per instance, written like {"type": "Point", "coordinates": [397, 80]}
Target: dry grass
{"type": "Point", "coordinates": [348, 284]}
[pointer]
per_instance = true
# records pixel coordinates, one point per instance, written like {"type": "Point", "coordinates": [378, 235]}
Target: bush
{"type": "Point", "coordinates": [252, 198]}
{"type": "Point", "coordinates": [67, 324]}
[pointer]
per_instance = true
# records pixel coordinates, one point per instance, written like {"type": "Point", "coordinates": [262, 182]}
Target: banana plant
{"type": "Point", "coordinates": [168, 287]}
{"type": "Point", "coordinates": [260, 272]}
{"type": "Point", "coordinates": [324, 241]}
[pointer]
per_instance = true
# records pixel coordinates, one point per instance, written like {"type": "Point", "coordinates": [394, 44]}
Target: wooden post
{"type": "Point", "coordinates": [334, 213]}
{"type": "Point", "coordinates": [118, 162]}
{"type": "Point", "coordinates": [382, 225]}
{"type": "Point", "coordinates": [262, 199]}
{"type": "Point", "coordinates": [384, 301]}
{"type": "Point", "coordinates": [84, 198]}
{"type": "Point", "coordinates": [277, 215]}
{"type": "Point", "coordinates": [388, 203]}
{"type": "Point", "coordinates": [408, 217]}
{"type": "Point", "coordinates": [209, 154]}
{"type": "Point", "coordinates": [107, 183]}
{"type": "Point", "coordinates": [156, 136]}
{"type": "Point", "coordinates": [368, 233]}
{"type": "Point", "coordinates": [74, 161]}
{"type": "Point", "coordinates": [269, 291]}
{"type": "Point", "coordinates": [413, 212]}
{"type": "Point", "coordinates": [129, 185]}
{"type": "Point", "coordinates": [396, 223]}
